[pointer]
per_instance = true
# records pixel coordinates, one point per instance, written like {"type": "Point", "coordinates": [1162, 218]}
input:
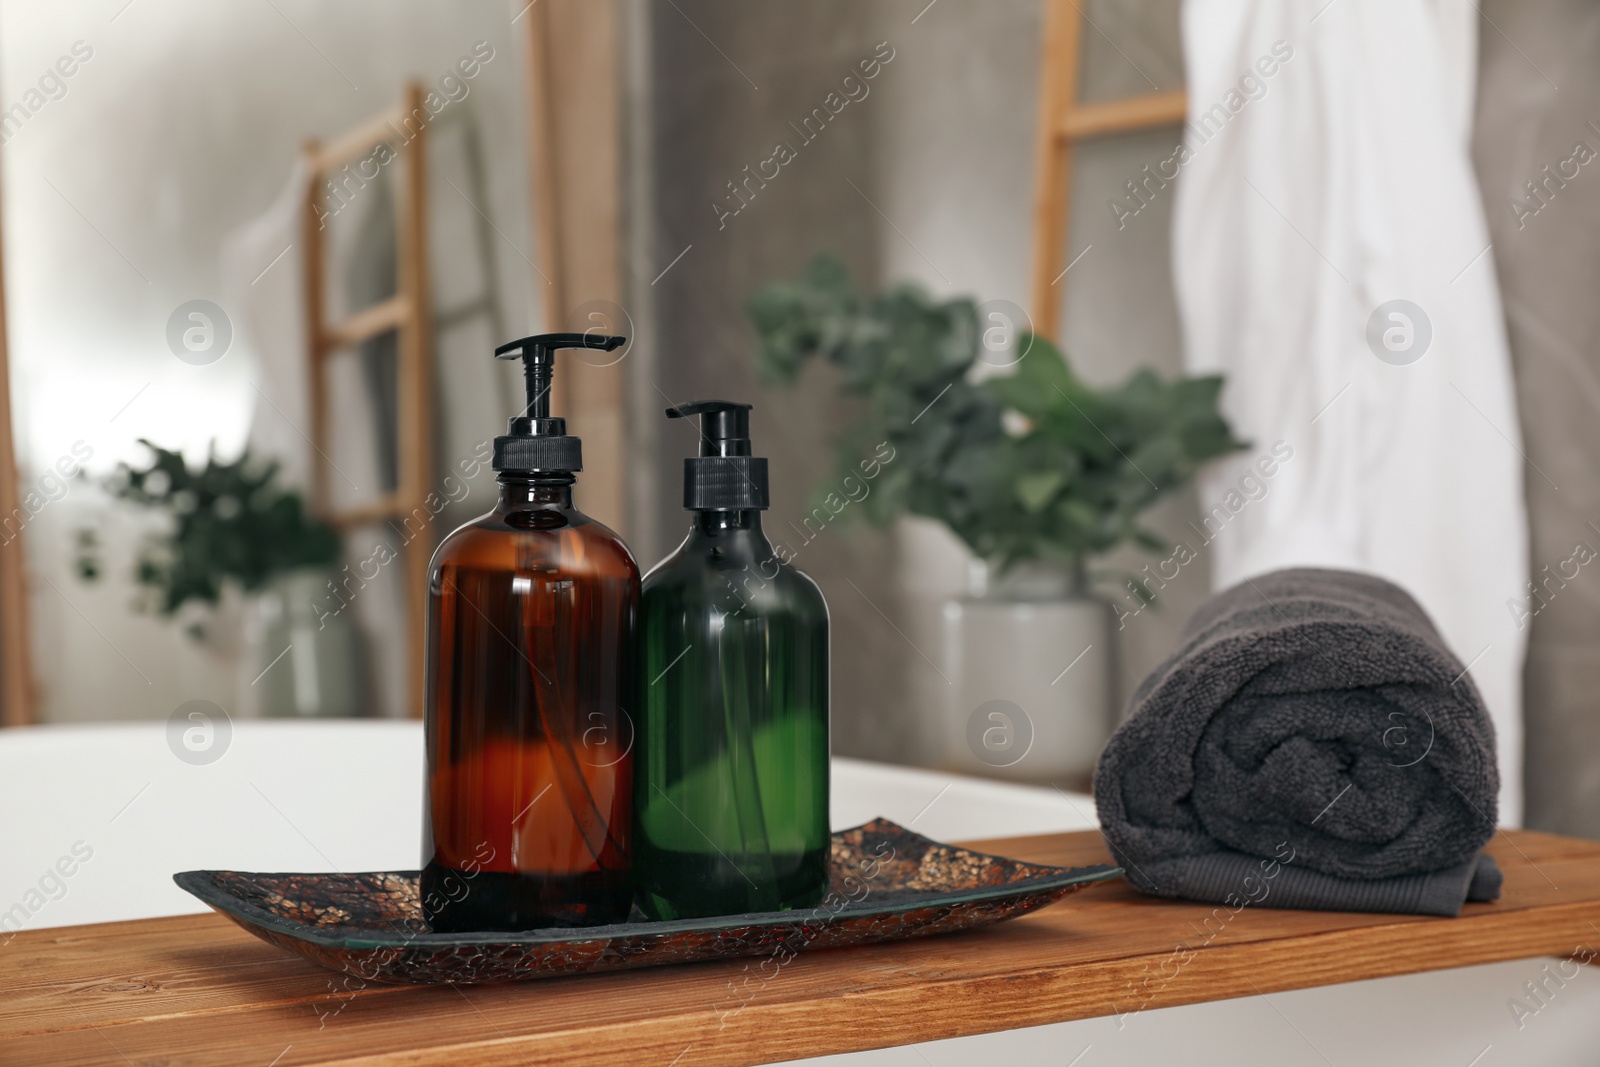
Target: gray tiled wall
{"type": "Point", "coordinates": [1537, 96]}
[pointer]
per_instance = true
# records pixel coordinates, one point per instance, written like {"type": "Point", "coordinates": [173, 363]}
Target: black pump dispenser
{"type": "Point", "coordinates": [535, 441]}
{"type": "Point", "coordinates": [725, 476]}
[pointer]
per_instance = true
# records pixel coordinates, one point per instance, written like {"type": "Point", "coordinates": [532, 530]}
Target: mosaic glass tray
{"type": "Point", "coordinates": [885, 883]}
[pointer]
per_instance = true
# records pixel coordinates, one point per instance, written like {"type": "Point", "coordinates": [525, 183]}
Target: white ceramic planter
{"type": "Point", "coordinates": [1030, 670]}
{"type": "Point", "coordinates": [301, 657]}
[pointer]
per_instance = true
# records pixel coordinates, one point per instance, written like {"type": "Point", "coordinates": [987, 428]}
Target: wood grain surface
{"type": "Point", "coordinates": [197, 990]}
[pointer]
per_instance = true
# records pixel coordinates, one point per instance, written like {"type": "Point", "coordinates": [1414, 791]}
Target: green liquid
{"type": "Point", "coordinates": [731, 764]}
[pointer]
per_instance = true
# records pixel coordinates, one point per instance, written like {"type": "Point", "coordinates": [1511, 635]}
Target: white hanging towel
{"type": "Point", "coordinates": [264, 277]}
{"type": "Point", "coordinates": [1325, 174]}
{"type": "Point", "coordinates": [263, 274]}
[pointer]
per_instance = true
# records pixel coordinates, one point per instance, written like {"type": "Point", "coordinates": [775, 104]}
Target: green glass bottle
{"type": "Point", "coordinates": [731, 762]}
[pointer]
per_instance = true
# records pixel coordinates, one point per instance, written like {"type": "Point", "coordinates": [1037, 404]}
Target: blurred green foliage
{"type": "Point", "coordinates": [1031, 465]}
{"type": "Point", "coordinates": [227, 521]}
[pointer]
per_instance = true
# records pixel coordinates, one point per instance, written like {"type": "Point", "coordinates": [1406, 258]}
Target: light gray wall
{"type": "Point", "coordinates": [1548, 276]}
{"type": "Point", "coordinates": [943, 149]}
{"type": "Point", "coordinates": [726, 79]}
{"type": "Point", "coordinates": [956, 174]}
{"type": "Point", "coordinates": [182, 127]}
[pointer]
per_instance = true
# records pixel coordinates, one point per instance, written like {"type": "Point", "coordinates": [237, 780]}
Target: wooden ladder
{"type": "Point", "coordinates": [407, 313]}
{"type": "Point", "coordinates": [1063, 122]}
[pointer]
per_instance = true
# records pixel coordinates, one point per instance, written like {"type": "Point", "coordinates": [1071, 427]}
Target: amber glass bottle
{"type": "Point", "coordinates": [531, 614]}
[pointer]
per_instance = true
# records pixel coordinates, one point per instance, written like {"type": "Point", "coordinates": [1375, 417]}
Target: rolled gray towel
{"type": "Point", "coordinates": [1312, 744]}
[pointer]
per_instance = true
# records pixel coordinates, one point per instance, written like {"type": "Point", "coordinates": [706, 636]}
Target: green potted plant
{"type": "Point", "coordinates": [229, 523]}
{"type": "Point", "coordinates": [1038, 473]}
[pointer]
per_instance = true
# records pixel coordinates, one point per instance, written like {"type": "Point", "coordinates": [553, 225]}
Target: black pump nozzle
{"type": "Point", "coordinates": [535, 441]}
{"type": "Point", "coordinates": [538, 355]}
{"type": "Point", "coordinates": [724, 426]}
{"type": "Point", "coordinates": [725, 476]}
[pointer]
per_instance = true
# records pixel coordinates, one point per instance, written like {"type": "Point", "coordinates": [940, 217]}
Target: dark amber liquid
{"type": "Point", "coordinates": [531, 612]}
